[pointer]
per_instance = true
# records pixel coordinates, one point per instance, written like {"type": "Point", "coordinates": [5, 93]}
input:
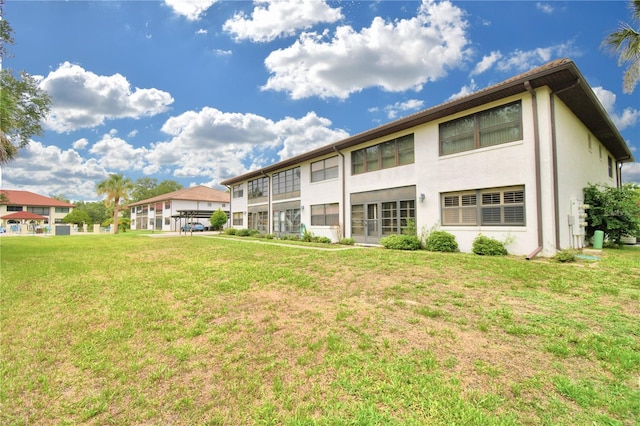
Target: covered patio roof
{"type": "Point", "coordinates": [23, 215]}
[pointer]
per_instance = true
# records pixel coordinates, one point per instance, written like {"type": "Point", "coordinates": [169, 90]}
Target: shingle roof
{"type": "Point", "coordinates": [561, 76]}
{"type": "Point", "coordinates": [194, 193]}
{"type": "Point", "coordinates": [23, 215]}
{"type": "Point", "coordinates": [26, 198]}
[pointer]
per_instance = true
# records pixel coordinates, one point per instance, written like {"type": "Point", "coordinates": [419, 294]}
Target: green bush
{"type": "Point", "coordinates": [307, 236]}
{"type": "Point", "coordinates": [347, 241]}
{"type": "Point", "coordinates": [230, 231]}
{"type": "Point", "coordinates": [401, 242]}
{"type": "Point", "coordinates": [253, 232]}
{"type": "Point", "coordinates": [322, 240]}
{"type": "Point", "coordinates": [487, 246]}
{"type": "Point", "coordinates": [441, 241]}
{"type": "Point", "coordinates": [565, 256]}
{"type": "Point", "coordinates": [243, 232]}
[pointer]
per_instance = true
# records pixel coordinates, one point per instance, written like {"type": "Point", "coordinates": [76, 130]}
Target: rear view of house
{"type": "Point", "coordinates": [509, 162]}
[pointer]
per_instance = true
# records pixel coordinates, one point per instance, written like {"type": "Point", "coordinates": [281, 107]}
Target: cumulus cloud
{"type": "Point", "coordinates": [487, 62]}
{"type": "Point", "coordinates": [190, 9]}
{"type": "Point", "coordinates": [631, 172]}
{"type": "Point", "coordinates": [465, 90]}
{"type": "Point", "coordinates": [395, 56]}
{"type": "Point", "coordinates": [523, 60]}
{"type": "Point", "coordinates": [393, 111]}
{"type": "Point", "coordinates": [80, 144]}
{"type": "Point", "coordinates": [622, 120]}
{"type": "Point", "coordinates": [305, 134]}
{"type": "Point", "coordinates": [271, 19]}
{"type": "Point", "coordinates": [117, 154]}
{"type": "Point", "coordinates": [544, 7]}
{"type": "Point", "coordinates": [82, 99]}
{"type": "Point", "coordinates": [59, 172]}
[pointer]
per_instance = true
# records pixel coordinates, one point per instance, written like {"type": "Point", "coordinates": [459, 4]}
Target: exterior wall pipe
{"type": "Point", "coordinates": [344, 208]}
{"type": "Point", "coordinates": [268, 202]}
{"type": "Point", "coordinates": [230, 219]}
{"type": "Point", "coordinates": [536, 143]}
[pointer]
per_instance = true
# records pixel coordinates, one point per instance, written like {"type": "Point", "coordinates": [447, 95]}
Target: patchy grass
{"type": "Point", "coordinates": [130, 329]}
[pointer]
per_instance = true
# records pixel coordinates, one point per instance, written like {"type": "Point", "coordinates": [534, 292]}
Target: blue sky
{"type": "Point", "coordinates": [199, 91]}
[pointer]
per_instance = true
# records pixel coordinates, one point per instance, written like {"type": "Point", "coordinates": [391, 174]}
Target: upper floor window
{"type": "Point", "coordinates": [396, 152]}
{"type": "Point", "coordinates": [44, 211]}
{"type": "Point", "coordinates": [14, 208]}
{"type": "Point", "coordinates": [324, 169]}
{"type": "Point", "coordinates": [238, 191]}
{"type": "Point", "coordinates": [487, 128]}
{"type": "Point", "coordinates": [487, 207]}
{"type": "Point", "coordinates": [286, 184]}
{"type": "Point", "coordinates": [610, 166]}
{"type": "Point", "coordinates": [258, 188]}
{"type": "Point", "coordinates": [62, 209]}
{"type": "Point", "coordinates": [167, 205]}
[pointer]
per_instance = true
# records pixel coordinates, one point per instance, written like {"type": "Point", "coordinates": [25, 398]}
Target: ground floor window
{"type": "Point", "coordinates": [486, 207]}
{"type": "Point", "coordinates": [258, 220]}
{"type": "Point", "coordinates": [237, 219]}
{"type": "Point", "coordinates": [325, 214]}
{"type": "Point", "coordinates": [376, 214]}
{"type": "Point", "coordinates": [286, 217]}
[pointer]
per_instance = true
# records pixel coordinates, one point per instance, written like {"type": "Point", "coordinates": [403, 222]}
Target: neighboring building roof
{"type": "Point", "coordinates": [194, 193]}
{"type": "Point", "coordinates": [561, 75]}
{"type": "Point", "coordinates": [26, 198]}
{"type": "Point", "coordinates": [23, 215]}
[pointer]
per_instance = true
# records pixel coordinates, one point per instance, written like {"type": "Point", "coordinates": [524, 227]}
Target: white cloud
{"type": "Point", "coordinates": [82, 99]}
{"type": "Point", "coordinates": [190, 9]}
{"type": "Point", "coordinates": [58, 172]}
{"type": "Point", "coordinates": [80, 144]}
{"type": "Point", "coordinates": [486, 63]}
{"type": "Point", "coordinates": [202, 31]}
{"type": "Point", "coordinates": [395, 56]}
{"type": "Point", "coordinates": [523, 60]}
{"type": "Point", "coordinates": [117, 154]}
{"type": "Point", "coordinates": [305, 134]}
{"type": "Point", "coordinates": [628, 118]}
{"type": "Point", "coordinates": [465, 90]}
{"type": "Point", "coordinates": [544, 7]}
{"type": "Point", "coordinates": [401, 107]}
{"type": "Point", "coordinates": [272, 19]}
{"type": "Point", "coordinates": [631, 172]}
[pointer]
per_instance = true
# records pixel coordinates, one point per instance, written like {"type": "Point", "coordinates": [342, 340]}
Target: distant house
{"type": "Point", "coordinates": [171, 211]}
{"type": "Point", "coordinates": [24, 207]}
{"type": "Point", "coordinates": [509, 162]}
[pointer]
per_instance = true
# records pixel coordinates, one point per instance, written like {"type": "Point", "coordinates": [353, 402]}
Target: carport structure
{"type": "Point", "coordinates": [184, 217]}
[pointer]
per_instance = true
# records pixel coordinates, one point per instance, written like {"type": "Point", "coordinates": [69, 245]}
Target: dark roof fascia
{"type": "Point", "coordinates": [560, 76]}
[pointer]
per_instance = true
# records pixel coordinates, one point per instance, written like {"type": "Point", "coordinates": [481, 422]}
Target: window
{"type": "Point", "coordinates": [487, 207]}
{"type": "Point", "coordinates": [589, 144]}
{"type": "Point", "coordinates": [238, 191]}
{"type": "Point", "coordinates": [492, 127]}
{"type": "Point", "coordinates": [324, 169]}
{"type": "Point", "coordinates": [14, 208]}
{"type": "Point", "coordinates": [167, 205]}
{"type": "Point", "coordinates": [238, 219]}
{"type": "Point", "coordinates": [396, 152]}
{"type": "Point", "coordinates": [62, 209]}
{"type": "Point", "coordinates": [325, 215]}
{"type": "Point", "coordinates": [286, 184]}
{"type": "Point", "coordinates": [610, 166]}
{"type": "Point", "coordinates": [167, 221]}
{"type": "Point", "coordinates": [44, 211]}
{"type": "Point", "coordinates": [396, 216]}
{"type": "Point", "coordinates": [258, 188]}
{"type": "Point", "coordinates": [258, 220]}
{"type": "Point", "coordinates": [286, 220]}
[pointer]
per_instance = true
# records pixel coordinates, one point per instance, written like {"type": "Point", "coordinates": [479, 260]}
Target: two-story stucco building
{"type": "Point", "coordinates": [509, 162]}
{"type": "Point", "coordinates": [171, 211]}
{"type": "Point", "coordinates": [33, 210]}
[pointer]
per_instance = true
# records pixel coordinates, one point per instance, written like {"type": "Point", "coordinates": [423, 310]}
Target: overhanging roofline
{"type": "Point", "coordinates": [561, 76]}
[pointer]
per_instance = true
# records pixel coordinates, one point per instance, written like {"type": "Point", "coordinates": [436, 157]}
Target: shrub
{"type": "Point", "coordinates": [487, 246]}
{"type": "Point", "coordinates": [253, 232]}
{"type": "Point", "coordinates": [347, 241]}
{"type": "Point", "coordinates": [441, 241]}
{"type": "Point", "coordinates": [565, 256]}
{"type": "Point", "coordinates": [243, 232]}
{"type": "Point", "coordinates": [401, 242]}
{"type": "Point", "coordinates": [230, 231]}
{"type": "Point", "coordinates": [307, 236]}
{"type": "Point", "coordinates": [322, 240]}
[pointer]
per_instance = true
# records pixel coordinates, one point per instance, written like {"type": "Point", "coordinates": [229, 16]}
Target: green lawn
{"type": "Point", "coordinates": [129, 329]}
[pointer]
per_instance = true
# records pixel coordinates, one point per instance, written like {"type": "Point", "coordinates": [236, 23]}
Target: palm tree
{"type": "Point", "coordinates": [115, 188]}
{"type": "Point", "coordinates": [625, 43]}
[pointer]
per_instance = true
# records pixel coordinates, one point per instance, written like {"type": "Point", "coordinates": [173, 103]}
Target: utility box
{"type": "Point", "coordinates": [63, 229]}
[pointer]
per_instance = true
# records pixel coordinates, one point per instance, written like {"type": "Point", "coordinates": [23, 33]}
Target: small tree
{"type": "Point", "coordinates": [218, 219]}
{"type": "Point", "coordinates": [614, 211]}
{"type": "Point", "coordinates": [77, 217]}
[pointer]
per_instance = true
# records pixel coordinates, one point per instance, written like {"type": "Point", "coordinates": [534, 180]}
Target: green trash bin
{"type": "Point", "coordinates": [598, 238]}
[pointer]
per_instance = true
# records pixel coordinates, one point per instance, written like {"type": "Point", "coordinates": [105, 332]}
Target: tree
{"type": "Point", "coordinates": [625, 43]}
{"type": "Point", "coordinates": [116, 188]}
{"type": "Point", "coordinates": [97, 210]}
{"type": "Point", "coordinates": [79, 217]}
{"type": "Point", "coordinates": [218, 219]}
{"type": "Point", "coordinates": [22, 103]}
{"type": "Point", "coordinates": [145, 188]}
{"type": "Point", "coordinates": [615, 211]}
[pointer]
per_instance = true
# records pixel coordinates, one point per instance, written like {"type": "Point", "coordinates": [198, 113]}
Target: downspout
{"type": "Point", "coordinates": [229, 219]}
{"type": "Point", "coordinates": [344, 209]}
{"type": "Point", "coordinates": [536, 144]}
{"type": "Point", "coordinates": [268, 201]}
{"type": "Point", "coordinates": [619, 170]}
